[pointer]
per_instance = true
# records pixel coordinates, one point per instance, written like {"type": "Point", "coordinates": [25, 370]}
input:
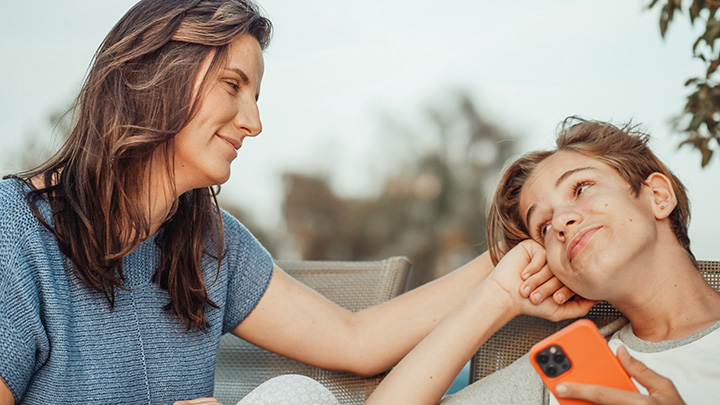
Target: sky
{"type": "Point", "coordinates": [336, 69]}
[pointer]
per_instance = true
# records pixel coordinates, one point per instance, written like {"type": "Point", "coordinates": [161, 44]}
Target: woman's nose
{"type": "Point", "coordinates": [247, 119]}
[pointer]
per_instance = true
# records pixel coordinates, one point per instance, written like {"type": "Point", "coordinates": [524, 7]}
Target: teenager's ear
{"type": "Point", "coordinates": [662, 195]}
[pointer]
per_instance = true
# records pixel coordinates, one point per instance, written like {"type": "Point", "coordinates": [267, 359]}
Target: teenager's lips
{"type": "Point", "coordinates": [579, 241]}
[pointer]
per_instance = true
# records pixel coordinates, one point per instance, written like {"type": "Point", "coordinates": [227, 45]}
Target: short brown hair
{"type": "Point", "coordinates": [623, 148]}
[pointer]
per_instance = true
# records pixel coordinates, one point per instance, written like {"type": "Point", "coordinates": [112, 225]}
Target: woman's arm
{"type": "Point", "coordinates": [6, 396]}
{"type": "Point", "coordinates": [299, 323]}
{"type": "Point", "coordinates": [428, 370]}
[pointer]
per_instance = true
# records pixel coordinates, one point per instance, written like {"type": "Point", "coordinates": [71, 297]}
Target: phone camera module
{"type": "Point", "coordinates": [553, 361]}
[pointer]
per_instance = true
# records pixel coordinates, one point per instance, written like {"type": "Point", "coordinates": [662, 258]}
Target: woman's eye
{"type": "Point", "coordinates": [233, 85]}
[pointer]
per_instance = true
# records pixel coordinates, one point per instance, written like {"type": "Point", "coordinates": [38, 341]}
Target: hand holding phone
{"type": "Point", "coordinates": [578, 353]}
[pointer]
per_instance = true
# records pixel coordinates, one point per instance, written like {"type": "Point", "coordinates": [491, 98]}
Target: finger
{"type": "Point", "coordinates": [562, 295]}
{"type": "Point", "coordinates": [538, 261]}
{"type": "Point", "coordinates": [534, 280]}
{"type": "Point", "coordinates": [572, 309]}
{"type": "Point", "coordinates": [545, 290]}
{"type": "Point", "coordinates": [649, 379]}
{"type": "Point", "coordinates": [597, 394]}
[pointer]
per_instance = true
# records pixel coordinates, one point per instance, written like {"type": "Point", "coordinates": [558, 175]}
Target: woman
{"type": "Point", "coordinates": [611, 220]}
{"type": "Point", "coordinates": [118, 270]}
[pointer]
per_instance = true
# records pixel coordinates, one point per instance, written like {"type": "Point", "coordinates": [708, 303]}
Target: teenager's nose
{"type": "Point", "coordinates": [564, 221]}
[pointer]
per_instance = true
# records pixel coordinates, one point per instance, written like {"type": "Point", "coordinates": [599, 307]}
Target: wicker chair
{"type": "Point", "coordinates": [515, 339]}
{"type": "Point", "coordinates": [242, 366]}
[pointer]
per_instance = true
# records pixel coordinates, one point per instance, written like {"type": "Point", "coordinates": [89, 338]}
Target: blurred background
{"type": "Point", "coordinates": [386, 122]}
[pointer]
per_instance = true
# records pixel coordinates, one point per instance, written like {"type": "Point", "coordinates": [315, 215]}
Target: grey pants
{"type": "Point", "coordinates": [290, 390]}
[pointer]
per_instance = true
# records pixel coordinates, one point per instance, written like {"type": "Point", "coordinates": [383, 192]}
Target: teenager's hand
{"type": "Point", "coordinates": [199, 401]}
{"type": "Point", "coordinates": [661, 390]}
{"type": "Point", "coordinates": [540, 284]}
{"type": "Point", "coordinates": [528, 259]}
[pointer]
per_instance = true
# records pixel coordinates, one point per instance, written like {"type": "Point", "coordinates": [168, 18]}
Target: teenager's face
{"type": "Point", "coordinates": [589, 220]}
{"type": "Point", "coordinates": [227, 114]}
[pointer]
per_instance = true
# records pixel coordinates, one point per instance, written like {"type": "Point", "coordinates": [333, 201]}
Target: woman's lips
{"type": "Point", "coordinates": [579, 241]}
{"type": "Point", "coordinates": [235, 144]}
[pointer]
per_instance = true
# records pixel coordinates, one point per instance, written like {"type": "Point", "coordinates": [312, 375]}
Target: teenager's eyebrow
{"type": "Point", "coordinates": [570, 173]}
{"type": "Point", "coordinates": [559, 181]}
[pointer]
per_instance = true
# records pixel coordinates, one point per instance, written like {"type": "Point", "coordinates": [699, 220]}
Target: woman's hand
{"type": "Point", "coordinates": [661, 391]}
{"type": "Point", "coordinates": [199, 401]}
{"type": "Point", "coordinates": [523, 272]}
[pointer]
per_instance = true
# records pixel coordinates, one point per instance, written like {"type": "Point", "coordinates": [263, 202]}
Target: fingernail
{"type": "Point", "coordinates": [526, 290]}
{"type": "Point", "coordinates": [536, 297]}
{"type": "Point", "coordinates": [560, 389]}
{"type": "Point", "coordinates": [560, 298]}
{"type": "Point", "coordinates": [525, 276]}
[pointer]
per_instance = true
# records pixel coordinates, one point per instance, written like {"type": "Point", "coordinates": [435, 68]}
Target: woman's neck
{"type": "Point", "coordinates": [161, 201]}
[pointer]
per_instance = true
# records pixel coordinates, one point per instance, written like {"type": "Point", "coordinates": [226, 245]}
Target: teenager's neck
{"type": "Point", "coordinates": [674, 302]}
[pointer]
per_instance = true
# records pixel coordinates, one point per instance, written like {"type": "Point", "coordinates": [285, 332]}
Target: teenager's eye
{"type": "Point", "coordinates": [580, 188]}
{"type": "Point", "coordinates": [543, 229]}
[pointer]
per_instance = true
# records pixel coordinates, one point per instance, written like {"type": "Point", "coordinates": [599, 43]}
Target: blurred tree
{"type": "Point", "coordinates": [700, 119]}
{"type": "Point", "coordinates": [36, 145]}
{"type": "Point", "coordinates": [432, 210]}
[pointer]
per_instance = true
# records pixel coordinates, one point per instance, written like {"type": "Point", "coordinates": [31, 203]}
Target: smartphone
{"type": "Point", "coordinates": [578, 353]}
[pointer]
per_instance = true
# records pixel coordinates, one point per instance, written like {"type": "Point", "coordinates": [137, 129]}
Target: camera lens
{"type": "Point", "coordinates": [558, 358]}
{"type": "Point", "coordinates": [551, 371]}
{"type": "Point", "coordinates": [542, 358]}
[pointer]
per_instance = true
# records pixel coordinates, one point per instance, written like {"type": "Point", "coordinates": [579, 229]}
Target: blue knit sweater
{"type": "Point", "coordinates": [60, 343]}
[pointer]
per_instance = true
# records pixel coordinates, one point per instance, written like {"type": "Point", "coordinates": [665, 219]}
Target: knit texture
{"type": "Point", "coordinates": [60, 342]}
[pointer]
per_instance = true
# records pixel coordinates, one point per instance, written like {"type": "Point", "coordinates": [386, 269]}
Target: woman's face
{"type": "Point", "coordinates": [227, 114]}
{"type": "Point", "coordinates": [589, 220]}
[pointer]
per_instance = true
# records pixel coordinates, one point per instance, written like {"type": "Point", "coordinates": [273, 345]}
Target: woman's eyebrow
{"type": "Point", "coordinates": [243, 77]}
{"type": "Point", "coordinates": [560, 179]}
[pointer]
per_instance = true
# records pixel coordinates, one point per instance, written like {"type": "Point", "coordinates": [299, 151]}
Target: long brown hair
{"type": "Point", "coordinates": [623, 148]}
{"type": "Point", "coordinates": [137, 96]}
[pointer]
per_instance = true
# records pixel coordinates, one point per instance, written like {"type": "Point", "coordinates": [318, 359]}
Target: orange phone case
{"type": "Point", "coordinates": [578, 353]}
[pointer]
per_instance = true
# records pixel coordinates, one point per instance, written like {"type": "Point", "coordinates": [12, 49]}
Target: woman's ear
{"type": "Point", "coordinates": [662, 195]}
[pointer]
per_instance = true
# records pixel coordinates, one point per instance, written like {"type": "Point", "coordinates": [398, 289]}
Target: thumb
{"type": "Point", "coordinates": [649, 379]}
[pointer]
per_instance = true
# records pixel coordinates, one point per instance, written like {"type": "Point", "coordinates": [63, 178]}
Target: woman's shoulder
{"type": "Point", "coordinates": [234, 228]}
{"type": "Point", "coordinates": [14, 208]}
{"type": "Point", "coordinates": [240, 241]}
{"type": "Point", "coordinates": [17, 221]}
{"type": "Point", "coordinates": [12, 188]}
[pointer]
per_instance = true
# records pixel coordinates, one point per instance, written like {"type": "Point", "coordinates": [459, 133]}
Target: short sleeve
{"type": "Point", "coordinates": [23, 342]}
{"type": "Point", "coordinates": [24, 345]}
{"type": "Point", "coordinates": [250, 268]}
